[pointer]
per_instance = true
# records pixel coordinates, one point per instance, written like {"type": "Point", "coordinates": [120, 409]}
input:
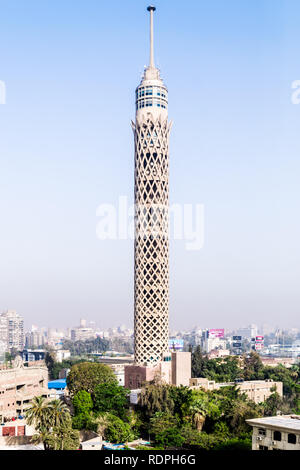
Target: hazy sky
{"type": "Point", "coordinates": [66, 146]}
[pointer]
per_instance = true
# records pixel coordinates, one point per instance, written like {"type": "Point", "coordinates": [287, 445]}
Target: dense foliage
{"type": "Point", "coordinates": [110, 397]}
{"type": "Point", "coordinates": [86, 376]}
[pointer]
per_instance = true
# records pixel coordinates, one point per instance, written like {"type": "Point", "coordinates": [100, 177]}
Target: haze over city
{"type": "Point", "coordinates": [66, 147]}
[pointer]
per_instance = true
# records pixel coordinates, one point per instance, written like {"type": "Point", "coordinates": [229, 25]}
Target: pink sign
{"type": "Point", "coordinates": [216, 333]}
{"type": "Point", "coordinates": [259, 339]}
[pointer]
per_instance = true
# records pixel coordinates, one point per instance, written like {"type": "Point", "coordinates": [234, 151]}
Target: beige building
{"type": "Point", "coordinates": [18, 386]}
{"type": "Point", "coordinates": [276, 433]}
{"type": "Point", "coordinates": [256, 390]}
{"type": "Point", "coordinates": [181, 364]}
{"type": "Point", "coordinates": [82, 334]}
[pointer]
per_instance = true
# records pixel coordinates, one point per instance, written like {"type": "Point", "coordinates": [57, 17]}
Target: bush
{"type": "Point", "coordinates": [83, 421]}
{"type": "Point", "coordinates": [117, 431]}
{"type": "Point", "coordinates": [235, 444]}
{"type": "Point", "coordinates": [169, 438]}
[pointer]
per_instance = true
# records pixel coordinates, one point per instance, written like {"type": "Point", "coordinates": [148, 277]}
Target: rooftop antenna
{"type": "Point", "coordinates": [151, 8]}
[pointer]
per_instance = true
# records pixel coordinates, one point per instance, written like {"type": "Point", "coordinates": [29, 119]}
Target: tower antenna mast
{"type": "Point", "coordinates": [151, 9]}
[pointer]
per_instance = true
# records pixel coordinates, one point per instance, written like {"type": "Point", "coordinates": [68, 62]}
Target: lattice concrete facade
{"type": "Point", "coordinates": [151, 290]}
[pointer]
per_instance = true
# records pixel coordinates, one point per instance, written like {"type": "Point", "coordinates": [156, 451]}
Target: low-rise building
{"type": "Point", "coordinates": [276, 433]}
{"type": "Point", "coordinates": [18, 386]}
{"type": "Point", "coordinates": [256, 390]}
{"type": "Point", "coordinates": [62, 354]}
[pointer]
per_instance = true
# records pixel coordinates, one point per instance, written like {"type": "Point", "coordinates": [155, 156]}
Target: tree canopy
{"type": "Point", "coordinates": [86, 376]}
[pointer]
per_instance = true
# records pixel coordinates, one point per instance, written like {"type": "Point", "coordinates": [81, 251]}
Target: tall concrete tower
{"type": "Point", "coordinates": [151, 249]}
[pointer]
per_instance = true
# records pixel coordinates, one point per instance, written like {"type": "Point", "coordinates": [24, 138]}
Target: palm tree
{"type": "Point", "coordinates": [57, 411]}
{"type": "Point", "coordinates": [198, 412]}
{"type": "Point", "coordinates": [43, 436]}
{"type": "Point", "coordinates": [102, 423]}
{"type": "Point", "coordinates": [37, 414]}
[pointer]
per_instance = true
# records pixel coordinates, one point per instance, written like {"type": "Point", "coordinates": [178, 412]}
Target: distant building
{"type": "Point", "coordinates": [63, 373]}
{"type": "Point", "coordinates": [31, 355]}
{"type": "Point", "coordinates": [217, 353]}
{"type": "Point", "coordinates": [256, 390]}
{"type": "Point", "coordinates": [82, 334]}
{"type": "Point", "coordinates": [213, 339]}
{"type": "Point", "coordinates": [18, 386]}
{"type": "Point", "coordinates": [276, 361]}
{"type": "Point", "coordinates": [34, 339]}
{"type": "Point", "coordinates": [276, 433]}
{"type": "Point", "coordinates": [12, 330]}
{"type": "Point", "coordinates": [62, 354]}
{"type": "Point", "coordinates": [248, 332]}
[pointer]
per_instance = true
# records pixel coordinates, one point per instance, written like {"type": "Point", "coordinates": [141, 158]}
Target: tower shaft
{"type": "Point", "coordinates": [151, 195]}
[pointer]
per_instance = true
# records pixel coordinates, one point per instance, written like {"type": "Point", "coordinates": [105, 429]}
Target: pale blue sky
{"type": "Point", "coordinates": [66, 146]}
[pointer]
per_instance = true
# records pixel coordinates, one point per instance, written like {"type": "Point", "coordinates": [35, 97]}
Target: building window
{"type": "Point", "coordinates": [262, 432]}
{"type": "Point", "coordinates": [292, 439]}
{"type": "Point", "coordinates": [277, 436]}
{"type": "Point", "coordinates": [263, 448]}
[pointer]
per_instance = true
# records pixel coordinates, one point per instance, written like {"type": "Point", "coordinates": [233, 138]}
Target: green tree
{"type": "Point", "coordinates": [38, 414]}
{"type": "Point", "coordinates": [53, 423]}
{"type": "Point", "coordinates": [253, 367]}
{"type": "Point", "coordinates": [110, 397]}
{"type": "Point", "coordinates": [116, 431]}
{"type": "Point", "coordinates": [58, 412]}
{"type": "Point", "coordinates": [182, 398]}
{"type": "Point", "coordinates": [63, 436]}
{"type": "Point", "coordinates": [199, 362]}
{"type": "Point", "coordinates": [169, 438]}
{"type": "Point", "coordinates": [162, 421]}
{"type": "Point", "coordinates": [154, 398]}
{"type": "Point", "coordinates": [82, 402]}
{"type": "Point", "coordinates": [273, 404]}
{"type": "Point", "coordinates": [86, 376]}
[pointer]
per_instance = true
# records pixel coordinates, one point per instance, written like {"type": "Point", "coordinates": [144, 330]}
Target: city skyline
{"type": "Point", "coordinates": [230, 70]}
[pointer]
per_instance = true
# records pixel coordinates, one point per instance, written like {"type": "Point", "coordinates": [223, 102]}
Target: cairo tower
{"type": "Point", "coordinates": [152, 357]}
{"type": "Point", "coordinates": [151, 194]}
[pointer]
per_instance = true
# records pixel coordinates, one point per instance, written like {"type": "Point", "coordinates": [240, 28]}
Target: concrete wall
{"type": "Point", "coordinates": [268, 440]}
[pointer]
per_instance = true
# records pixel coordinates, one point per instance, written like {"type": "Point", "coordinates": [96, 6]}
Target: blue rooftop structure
{"type": "Point", "coordinates": [59, 384]}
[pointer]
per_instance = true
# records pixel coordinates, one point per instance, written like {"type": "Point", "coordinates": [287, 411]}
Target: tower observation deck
{"type": "Point", "coordinates": [151, 193]}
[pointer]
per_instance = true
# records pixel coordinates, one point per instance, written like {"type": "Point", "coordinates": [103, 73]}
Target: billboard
{"type": "Point", "coordinates": [259, 339]}
{"type": "Point", "coordinates": [237, 345]}
{"type": "Point", "coordinates": [216, 333]}
{"type": "Point", "coordinates": [176, 344]}
{"type": "Point", "coordinates": [237, 338]}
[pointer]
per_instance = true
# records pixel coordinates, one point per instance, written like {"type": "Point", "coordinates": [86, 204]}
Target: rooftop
{"type": "Point", "coordinates": [57, 384]}
{"type": "Point", "coordinates": [288, 422]}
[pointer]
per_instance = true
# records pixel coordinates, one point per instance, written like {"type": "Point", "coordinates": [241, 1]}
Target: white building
{"type": "Point", "coordinates": [276, 433]}
{"type": "Point", "coordinates": [12, 330]}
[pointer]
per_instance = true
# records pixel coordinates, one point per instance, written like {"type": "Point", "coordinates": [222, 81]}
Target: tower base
{"type": "Point", "coordinates": [137, 375]}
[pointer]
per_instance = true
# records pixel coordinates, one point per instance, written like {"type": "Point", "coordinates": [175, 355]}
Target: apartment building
{"type": "Point", "coordinates": [276, 433]}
